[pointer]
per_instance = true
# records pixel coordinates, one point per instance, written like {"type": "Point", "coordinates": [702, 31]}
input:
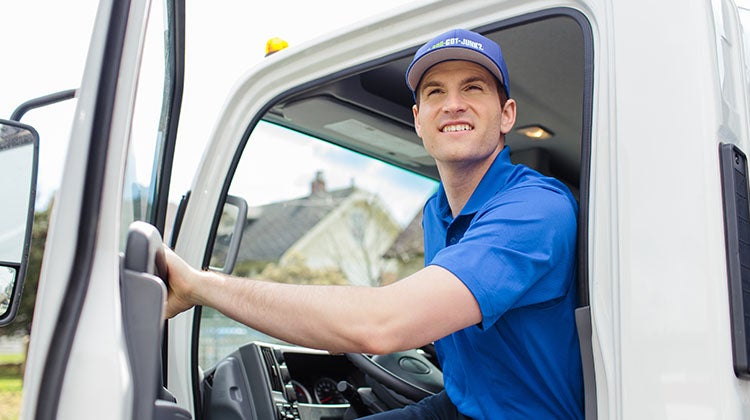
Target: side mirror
{"type": "Point", "coordinates": [19, 160]}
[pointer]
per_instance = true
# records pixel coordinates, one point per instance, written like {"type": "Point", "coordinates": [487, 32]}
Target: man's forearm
{"type": "Point", "coordinates": [333, 318]}
{"type": "Point", "coordinates": [406, 314]}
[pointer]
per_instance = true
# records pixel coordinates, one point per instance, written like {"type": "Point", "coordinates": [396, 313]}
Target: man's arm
{"type": "Point", "coordinates": [419, 309]}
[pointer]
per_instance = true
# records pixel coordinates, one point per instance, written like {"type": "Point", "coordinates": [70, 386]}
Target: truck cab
{"type": "Point", "coordinates": [313, 174]}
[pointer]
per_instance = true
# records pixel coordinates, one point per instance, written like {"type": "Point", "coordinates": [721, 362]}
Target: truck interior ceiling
{"type": "Point", "coordinates": [545, 61]}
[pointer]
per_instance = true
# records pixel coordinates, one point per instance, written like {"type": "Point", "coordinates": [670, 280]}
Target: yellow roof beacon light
{"type": "Point", "coordinates": [275, 45]}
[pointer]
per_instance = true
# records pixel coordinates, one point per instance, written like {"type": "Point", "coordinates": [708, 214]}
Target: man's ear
{"type": "Point", "coordinates": [508, 117]}
{"type": "Point", "coordinates": [417, 125]}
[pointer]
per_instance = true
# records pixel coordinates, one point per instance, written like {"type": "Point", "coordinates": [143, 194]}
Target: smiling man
{"type": "Point", "coordinates": [497, 294]}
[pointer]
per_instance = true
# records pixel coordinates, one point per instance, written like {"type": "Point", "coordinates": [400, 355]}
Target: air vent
{"type": "Point", "coordinates": [272, 369]}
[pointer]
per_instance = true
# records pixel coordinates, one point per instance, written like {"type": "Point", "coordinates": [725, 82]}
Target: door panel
{"type": "Point", "coordinates": [88, 372]}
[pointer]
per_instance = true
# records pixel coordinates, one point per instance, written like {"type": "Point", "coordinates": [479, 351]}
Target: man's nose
{"type": "Point", "coordinates": [454, 102]}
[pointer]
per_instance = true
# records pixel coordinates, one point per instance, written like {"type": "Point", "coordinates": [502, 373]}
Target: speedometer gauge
{"type": "Point", "coordinates": [302, 395]}
{"type": "Point", "coordinates": [326, 392]}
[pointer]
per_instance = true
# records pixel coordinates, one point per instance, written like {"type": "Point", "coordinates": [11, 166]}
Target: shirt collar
{"type": "Point", "coordinates": [493, 180]}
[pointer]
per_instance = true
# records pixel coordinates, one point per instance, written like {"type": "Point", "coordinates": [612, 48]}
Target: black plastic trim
{"type": "Point", "coordinates": [196, 374]}
{"type": "Point", "coordinates": [63, 335]}
{"type": "Point", "coordinates": [170, 109]}
{"type": "Point", "coordinates": [231, 396]}
{"type": "Point", "coordinates": [239, 226]}
{"type": "Point", "coordinates": [41, 101]}
{"type": "Point", "coordinates": [734, 188]}
{"type": "Point", "coordinates": [175, 60]}
{"type": "Point", "coordinates": [584, 186]}
{"type": "Point", "coordinates": [178, 217]}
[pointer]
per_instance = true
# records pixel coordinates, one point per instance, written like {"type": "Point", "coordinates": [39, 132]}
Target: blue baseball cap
{"type": "Point", "coordinates": [458, 44]}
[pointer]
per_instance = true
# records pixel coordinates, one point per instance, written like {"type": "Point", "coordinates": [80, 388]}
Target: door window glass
{"type": "Point", "coordinates": [148, 128]}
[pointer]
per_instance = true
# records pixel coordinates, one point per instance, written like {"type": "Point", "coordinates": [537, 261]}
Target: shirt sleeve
{"type": "Point", "coordinates": [519, 250]}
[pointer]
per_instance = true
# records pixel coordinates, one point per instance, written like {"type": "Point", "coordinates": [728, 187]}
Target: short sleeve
{"type": "Point", "coordinates": [518, 250]}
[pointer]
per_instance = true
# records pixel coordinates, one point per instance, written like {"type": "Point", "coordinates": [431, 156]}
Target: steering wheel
{"type": "Point", "coordinates": [408, 373]}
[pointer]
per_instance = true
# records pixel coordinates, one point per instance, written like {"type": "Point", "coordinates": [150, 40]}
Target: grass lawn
{"type": "Point", "coordinates": [11, 358]}
{"type": "Point", "coordinates": [11, 386]}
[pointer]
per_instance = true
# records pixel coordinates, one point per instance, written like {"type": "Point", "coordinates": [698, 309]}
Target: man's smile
{"type": "Point", "coordinates": [451, 128]}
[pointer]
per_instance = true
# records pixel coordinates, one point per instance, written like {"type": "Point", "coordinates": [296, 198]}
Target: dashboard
{"type": "Point", "coordinates": [315, 377]}
{"type": "Point", "coordinates": [262, 381]}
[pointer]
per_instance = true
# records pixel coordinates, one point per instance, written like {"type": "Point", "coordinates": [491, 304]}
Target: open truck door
{"type": "Point", "coordinates": [95, 349]}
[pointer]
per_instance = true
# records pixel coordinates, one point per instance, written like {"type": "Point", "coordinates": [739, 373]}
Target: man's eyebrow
{"type": "Point", "coordinates": [472, 79]}
{"type": "Point", "coordinates": [431, 83]}
{"type": "Point", "coordinates": [467, 80]}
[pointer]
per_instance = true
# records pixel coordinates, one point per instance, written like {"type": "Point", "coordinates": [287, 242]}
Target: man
{"type": "Point", "coordinates": [497, 293]}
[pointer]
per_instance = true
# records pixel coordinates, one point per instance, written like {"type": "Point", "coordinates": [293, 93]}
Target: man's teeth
{"type": "Point", "coordinates": [459, 127]}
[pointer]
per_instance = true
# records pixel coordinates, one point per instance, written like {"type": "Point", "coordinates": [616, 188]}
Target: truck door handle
{"type": "Point", "coordinates": [143, 303]}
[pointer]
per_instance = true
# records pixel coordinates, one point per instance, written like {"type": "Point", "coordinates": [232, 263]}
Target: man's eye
{"type": "Point", "coordinates": [475, 87]}
{"type": "Point", "coordinates": [433, 91]}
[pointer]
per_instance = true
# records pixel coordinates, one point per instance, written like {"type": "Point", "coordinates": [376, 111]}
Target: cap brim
{"type": "Point", "coordinates": [420, 67]}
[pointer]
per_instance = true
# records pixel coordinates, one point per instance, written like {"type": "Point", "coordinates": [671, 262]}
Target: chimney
{"type": "Point", "coordinates": [318, 185]}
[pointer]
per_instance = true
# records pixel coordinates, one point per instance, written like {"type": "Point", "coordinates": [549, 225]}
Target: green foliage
{"type": "Point", "coordinates": [11, 366]}
{"type": "Point", "coordinates": [249, 268]}
{"type": "Point", "coordinates": [295, 271]}
{"type": "Point", "coordinates": [11, 371]}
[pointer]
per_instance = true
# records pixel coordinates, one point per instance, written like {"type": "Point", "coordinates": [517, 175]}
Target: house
{"type": "Point", "coordinates": [337, 236]}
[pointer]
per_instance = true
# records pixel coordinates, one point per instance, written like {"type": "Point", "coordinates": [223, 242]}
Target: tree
{"type": "Point", "coordinates": [295, 271]}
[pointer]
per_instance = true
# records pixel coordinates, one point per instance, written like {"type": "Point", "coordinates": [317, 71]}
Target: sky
{"type": "Point", "coordinates": [49, 42]}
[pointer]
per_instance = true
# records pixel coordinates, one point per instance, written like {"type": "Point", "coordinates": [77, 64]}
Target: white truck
{"type": "Point", "coordinates": [640, 106]}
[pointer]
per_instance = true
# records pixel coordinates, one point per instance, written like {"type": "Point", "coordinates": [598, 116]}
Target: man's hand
{"type": "Point", "coordinates": [182, 280]}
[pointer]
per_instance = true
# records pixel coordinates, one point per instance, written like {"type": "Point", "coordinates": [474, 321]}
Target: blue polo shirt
{"type": "Point", "coordinates": [513, 246]}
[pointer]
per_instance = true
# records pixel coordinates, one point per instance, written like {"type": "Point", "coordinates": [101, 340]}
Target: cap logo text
{"type": "Point", "coordinates": [459, 42]}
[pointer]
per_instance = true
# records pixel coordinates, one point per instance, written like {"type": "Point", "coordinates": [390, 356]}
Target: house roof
{"type": "Point", "coordinates": [280, 225]}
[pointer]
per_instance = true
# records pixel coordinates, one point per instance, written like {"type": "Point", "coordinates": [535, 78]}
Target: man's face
{"type": "Point", "coordinates": [459, 117]}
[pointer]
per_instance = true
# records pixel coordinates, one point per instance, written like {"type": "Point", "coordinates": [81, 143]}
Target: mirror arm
{"type": "Point", "coordinates": [41, 101]}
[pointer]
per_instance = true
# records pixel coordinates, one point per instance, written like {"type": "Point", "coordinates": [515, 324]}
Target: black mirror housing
{"type": "Point", "coordinates": [19, 162]}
